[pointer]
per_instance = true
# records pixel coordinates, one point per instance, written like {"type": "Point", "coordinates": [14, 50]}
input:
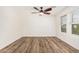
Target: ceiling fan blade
{"type": "Point", "coordinates": [48, 9]}
{"type": "Point", "coordinates": [36, 8]}
{"type": "Point", "coordinates": [47, 13]}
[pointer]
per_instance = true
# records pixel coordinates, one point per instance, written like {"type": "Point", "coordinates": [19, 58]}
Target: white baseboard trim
{"type": "Point", "coordinates": [9, 42]}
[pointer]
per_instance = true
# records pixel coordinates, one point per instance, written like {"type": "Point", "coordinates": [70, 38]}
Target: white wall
{"type": "Point", "coordinates": [15, 22]}
{"type": "Point", "coordinates": [68, 37]}
{"type": "Point", "coordinates": [35, 25]}
{"type": "Point", "coordinates": [10, 25]}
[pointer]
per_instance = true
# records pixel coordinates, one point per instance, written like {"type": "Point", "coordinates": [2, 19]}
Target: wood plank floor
{"type": "Point", "coordinates": [39, 45]}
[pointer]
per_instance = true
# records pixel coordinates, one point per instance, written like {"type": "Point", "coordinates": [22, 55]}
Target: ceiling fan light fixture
{"type": "Point", "coordinates": [41, 13]}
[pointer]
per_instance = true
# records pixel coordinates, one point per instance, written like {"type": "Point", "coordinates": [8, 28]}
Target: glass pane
{"type": "Point", "coordinates": [63, 23]}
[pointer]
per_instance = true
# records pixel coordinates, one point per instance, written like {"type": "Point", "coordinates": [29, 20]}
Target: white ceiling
{"type": "Point", "coordinates": [58, 9]}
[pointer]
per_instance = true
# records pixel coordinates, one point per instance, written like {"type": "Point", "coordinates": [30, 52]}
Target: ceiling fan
{"type": "Point", "coordinates": [42, 11]}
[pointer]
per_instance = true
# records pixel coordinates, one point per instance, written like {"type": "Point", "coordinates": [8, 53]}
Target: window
{"type": "Point", "coordinates": [75, 22]}
{"type": "Point", "coordinates": [63, 23]}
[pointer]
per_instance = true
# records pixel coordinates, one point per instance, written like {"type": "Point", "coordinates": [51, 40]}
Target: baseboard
{"type": "Point", "coordinates": [8, 43]}
{"type": "Point", "coordinates": [68, 42]}
{"type": "Point", "coordinates": [38, 36]}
